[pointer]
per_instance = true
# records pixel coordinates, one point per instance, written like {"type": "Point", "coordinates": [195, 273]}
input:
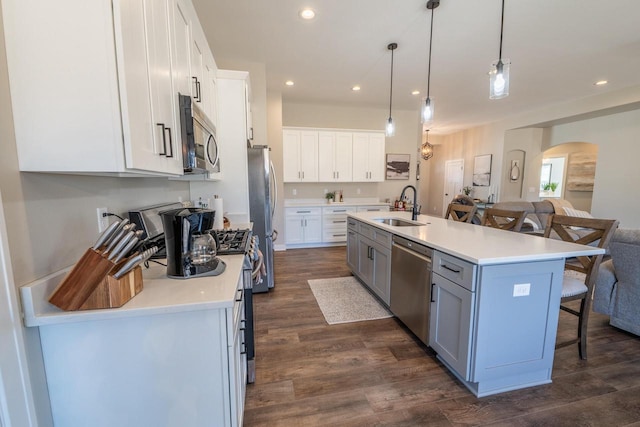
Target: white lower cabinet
{"type": "Point", "coordinates": [184, 368]}
{"type": "Point", "coordinates": [334, 223]}
{"type": "Point", "coordinates": [373, 208]}
{"type": "Point", "coordinates": [303, 225]}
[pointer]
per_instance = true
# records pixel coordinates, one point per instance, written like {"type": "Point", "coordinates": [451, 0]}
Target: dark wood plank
{"type": "Point", "coordinates": [376, 373]}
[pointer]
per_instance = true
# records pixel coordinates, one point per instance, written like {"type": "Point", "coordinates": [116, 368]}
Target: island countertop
{"type": "Point", "coordinates": [477, 244]}
{"type": "Point", "coordinates": [160, 295]}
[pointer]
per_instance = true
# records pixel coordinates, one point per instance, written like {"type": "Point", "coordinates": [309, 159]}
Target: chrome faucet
{"type": "Point", "coordinates": [414, 208]}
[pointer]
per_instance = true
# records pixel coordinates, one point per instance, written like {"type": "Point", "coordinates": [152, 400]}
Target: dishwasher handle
{"type": "Point", "coordinates": [413, 253]}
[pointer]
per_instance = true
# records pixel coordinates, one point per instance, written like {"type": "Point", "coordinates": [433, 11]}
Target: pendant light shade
{"type": "Point", "coordinates": [499, 79]}
{"type": "Point", "coordinates": [499, 74]}
{"type": "Point", "coordinates": [426, 149]}
{"type": "Point", "coordinates": [426, 111]}
{"type": "Point", "coordinates": [390, 128]}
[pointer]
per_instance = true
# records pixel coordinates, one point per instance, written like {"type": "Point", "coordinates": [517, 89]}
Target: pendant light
{"type": "Point", "coordinates": [499, 74]}
{"type": "Point", "coordinates": [390, 128]}
{"type": "Point", "coordinates": [427, 103]}
{"type": "Point", "coordinates": [426, 149]}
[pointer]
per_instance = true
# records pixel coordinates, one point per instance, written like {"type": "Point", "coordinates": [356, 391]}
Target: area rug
{"type": "Point", "coordinates": [344, 300]}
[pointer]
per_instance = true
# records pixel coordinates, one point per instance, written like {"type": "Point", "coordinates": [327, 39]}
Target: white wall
{"type": "Point", "coordinates": [617, 171]}
{"type": "Point", "coordinates": [610, 120]}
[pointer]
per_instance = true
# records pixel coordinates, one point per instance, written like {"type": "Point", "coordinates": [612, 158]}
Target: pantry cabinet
{"type": "Point", "coordinates": [98, 95]}
{"type": "Point", "coordinates": [300, 155]}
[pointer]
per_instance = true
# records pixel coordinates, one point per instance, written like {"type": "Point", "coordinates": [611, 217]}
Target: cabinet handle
{"type": "Point", "coordinates": [339, 235]}
{"type": "Point", "coordinates": [251, 133]}
{"type": "Point", "coordinates": [164, 140]}
{"type": "Point", "coordinates": [170, 143]}
{"type": "Point", "coordinates": [432, 285]}
{"type": "Point", "coordinates": [445, 266]}
{"type": "Point", "coordinates": [197, 97]}
{"type": "Point", "coordinates": [302, 223]}
{"type": "Point", "coordinates": [338, 174]}
{"type": "Point", "coordinates": [339, 222]}
{"type": "Point", "coordinates": [305, 222]}
{"type": "Point", "coordinates": [369, 252]}
{"type": "Point", "coordinates": [238, 299]}
{"type": "Point", "coordinates": [340, 210]}
{"type": "Point", "coordinates": [303, 211]}
{"type": "Point", "coordinates": [245, 348]}
{"type": "Point", "coordinates": [302, 174]}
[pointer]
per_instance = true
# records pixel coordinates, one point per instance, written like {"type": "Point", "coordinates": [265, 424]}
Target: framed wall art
{"type": "Point", "coordinates": [398, 166]}
{"type": "Point", "coordinates": [482, 171]}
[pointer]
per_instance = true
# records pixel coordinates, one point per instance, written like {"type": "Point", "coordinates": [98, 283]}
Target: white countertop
{"type": "Point", "coordinates": [477, 244]}
{"type": "Point", "coordinates": [160, 295]}
{"type": "Point", "coordinates": [291, 203]}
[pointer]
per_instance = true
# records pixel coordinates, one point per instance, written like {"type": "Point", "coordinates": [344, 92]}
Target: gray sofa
{"type": "Point", "coordinates": [617, 289]}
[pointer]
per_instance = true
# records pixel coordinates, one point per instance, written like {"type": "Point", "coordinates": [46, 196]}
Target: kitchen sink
{"type": "Point", "coordinates": [397, 222]}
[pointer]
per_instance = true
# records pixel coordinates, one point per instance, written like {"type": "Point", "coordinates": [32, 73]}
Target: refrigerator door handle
{"type": "Point", "coordinates": [274, 182]}
{"type": "Point", "coordinates": [274, 235]}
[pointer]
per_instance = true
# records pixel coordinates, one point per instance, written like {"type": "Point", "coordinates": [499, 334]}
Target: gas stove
{"type": "Point", "coordinates": [233, 241]}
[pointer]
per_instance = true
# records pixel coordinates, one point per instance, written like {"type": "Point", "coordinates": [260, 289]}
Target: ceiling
{"type": "Point", "coordinates": [558, 49]}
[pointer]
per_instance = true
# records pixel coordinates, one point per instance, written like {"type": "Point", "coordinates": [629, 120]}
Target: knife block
{"type": "Point", "coordinates": [81, 280]}
{"type": "Point", "coordinates": [89, 284]}
{"type": "Point", "coordinates": [114, 293]}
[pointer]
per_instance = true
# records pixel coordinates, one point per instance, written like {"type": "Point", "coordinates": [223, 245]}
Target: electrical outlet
{"type": "Point", "coordinates": [358, 191]}
{"type": "Point", "coordinates": [103, 220]}
{"type": "Point", "coordinates": [295, 192]}
{"type": "Point", "coordinates": [521, 289]}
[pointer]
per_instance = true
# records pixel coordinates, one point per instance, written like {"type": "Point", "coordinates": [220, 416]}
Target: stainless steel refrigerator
{"type": "Point", "coordinates": [263, 197]}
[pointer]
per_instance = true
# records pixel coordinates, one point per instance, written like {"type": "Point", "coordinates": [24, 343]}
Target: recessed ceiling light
{"type": "Point", "coordinates": [307, 13]}
{"type": "Point", "coordinates": [601, 82]}
{"type": "Point", "coordinates": [355, 88]}
{"type": "Point", "coordinates": [415, 92]}
{"type": "Point", "coordinates": [289, 83]}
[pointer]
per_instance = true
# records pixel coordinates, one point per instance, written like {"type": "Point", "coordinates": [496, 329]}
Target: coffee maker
{"type": "Point", "coordinates": [191, 249]}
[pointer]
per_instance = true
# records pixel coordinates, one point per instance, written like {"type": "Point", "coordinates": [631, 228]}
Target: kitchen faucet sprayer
{"type": "Point", "coordinates": [414, 208]}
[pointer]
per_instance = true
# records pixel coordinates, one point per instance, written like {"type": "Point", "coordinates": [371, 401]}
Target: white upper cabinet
{"type": "Point", "coordinates": [97, 93]}
{"type": "Point", "coordinates": [300, 155]}
{"type": "Point", "coordinates": [329, 155]}
{"type": "Point", "coordinates": [368, 156]}
{"type": "Point", "coordinates": [335, 153]}
{"type": "Point", "coordinates": [180, 51]}
{"type": "Point", "coordinates": [166, 128]}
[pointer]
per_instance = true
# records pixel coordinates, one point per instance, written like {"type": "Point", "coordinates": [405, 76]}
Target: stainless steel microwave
{"type": "Point", "coordinates": [199, 144]}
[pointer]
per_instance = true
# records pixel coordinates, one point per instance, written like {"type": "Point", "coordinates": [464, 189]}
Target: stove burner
{"type": "Point", "coordinates": [233, 241]}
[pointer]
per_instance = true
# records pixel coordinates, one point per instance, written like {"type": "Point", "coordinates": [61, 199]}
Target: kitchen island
{"type": "Point", "coordinates": [491, 301]}
{"type": "Point", "coordinates": [172, 356]}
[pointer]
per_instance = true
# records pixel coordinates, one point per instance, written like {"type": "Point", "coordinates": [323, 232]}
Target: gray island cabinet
{"type": "Point", "coordinates": [495, 297]}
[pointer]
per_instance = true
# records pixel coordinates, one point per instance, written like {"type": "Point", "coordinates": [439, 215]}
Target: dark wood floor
{"type": "Point", "coordinates": [375, 373]}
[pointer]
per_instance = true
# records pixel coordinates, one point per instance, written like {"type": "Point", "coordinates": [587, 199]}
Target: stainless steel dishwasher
{"type": "Point", "coordinates": [411, 285]}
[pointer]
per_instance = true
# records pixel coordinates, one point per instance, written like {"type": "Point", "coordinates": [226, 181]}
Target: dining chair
{"type": "Point", "coordinates": [503, 219]}
{"type": "Point", "coordinates": [585, 231]}
{"type": "Point", "coordinates": [460, 213]}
